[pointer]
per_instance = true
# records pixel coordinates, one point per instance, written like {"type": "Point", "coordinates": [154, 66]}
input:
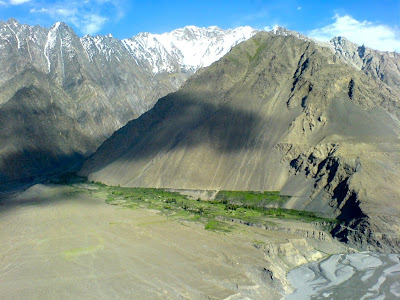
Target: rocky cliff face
{"type": "Point", "coordinates": [276, 113]}
{"type": "Point", "coordinates": [62, 95]}
{"type": "Point", "coordinates": [380, 65]}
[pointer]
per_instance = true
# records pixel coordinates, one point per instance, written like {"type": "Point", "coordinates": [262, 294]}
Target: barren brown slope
{"type": "Point", "coordinates": [276, 113]}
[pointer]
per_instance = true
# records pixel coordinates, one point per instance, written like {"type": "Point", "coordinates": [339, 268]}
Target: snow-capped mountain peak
{"type": "Point", "coordinates": [181, 50]}
{"type": "Point", "coordinates": [282, 31]}
{"type": "Point", "coordinates": [187, 48]}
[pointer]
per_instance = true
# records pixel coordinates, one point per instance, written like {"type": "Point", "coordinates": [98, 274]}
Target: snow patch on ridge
{"type": "Point", "coordinates": [105, 46]}
{"type": "Point", "coordinates": [51, 43]}
{"type": "Point", "coordinates": [182, 50]}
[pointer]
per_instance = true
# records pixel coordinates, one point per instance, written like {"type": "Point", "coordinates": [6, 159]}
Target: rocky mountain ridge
{"type": "Point", "coordinates": [381, 65]}
{"type": "Point", "coordinates": [186, 49]}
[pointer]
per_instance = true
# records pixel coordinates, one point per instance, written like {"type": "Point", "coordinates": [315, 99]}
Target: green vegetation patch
{"type": "Point", "coordinates": [248, 206]}
{"type": "Point", "coordinates": [214, 225]}
{"type": "Point", "coordinates": [72, 253]}
{"type": "Point", "coordinates": [251, 199]}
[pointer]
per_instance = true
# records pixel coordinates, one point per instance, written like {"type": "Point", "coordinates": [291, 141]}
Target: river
{"type": "Point", "coordinates": [362, 275]}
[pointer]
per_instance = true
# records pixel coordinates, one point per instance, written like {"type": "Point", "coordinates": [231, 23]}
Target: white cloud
{"type": "Point", "coordinates": [372, 35]}
{"type": "Point", "coordinates": [66, 12]}
{"type": "Point", "coordinates": [269, 28]}
{"type": "Point", "coordinates": [88, 16]}
{"type": "Point", "coordinates": [93, 23]}
{"type": "Point", "coordinates": [299, 7]}
{"type": "Point", "coordinates": [3, 3]}
{"type": "Point", "coordinates": [18, 2]}
{"type": "Point", "coordinates": [42, 10]}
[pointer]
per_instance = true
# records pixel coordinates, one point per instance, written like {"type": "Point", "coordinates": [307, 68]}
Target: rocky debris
{"type": "Point", "coordinates": [103, 82]}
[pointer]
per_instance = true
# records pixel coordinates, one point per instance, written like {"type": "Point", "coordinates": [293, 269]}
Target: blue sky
{"type": "Point", "coordinates": [374, 23]}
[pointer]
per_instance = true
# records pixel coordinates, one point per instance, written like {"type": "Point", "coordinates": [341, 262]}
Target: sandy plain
{"type": "Point", "coordinates": [59, 242]}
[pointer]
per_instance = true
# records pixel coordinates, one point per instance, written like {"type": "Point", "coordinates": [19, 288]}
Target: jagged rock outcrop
{"type": "Point", "coordinates": [276, 113]}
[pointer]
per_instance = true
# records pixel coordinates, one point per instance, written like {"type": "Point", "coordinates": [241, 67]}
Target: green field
{"type": "Point", "coordinates": [254, 207]}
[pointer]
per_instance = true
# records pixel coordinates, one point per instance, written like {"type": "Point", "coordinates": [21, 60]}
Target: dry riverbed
{"type": "Point", "coordinates": [65, 242]}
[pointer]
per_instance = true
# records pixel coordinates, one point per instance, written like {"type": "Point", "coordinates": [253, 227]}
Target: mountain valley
{"type": "Point", "coordinates": [302, 122]}
{"type": "Point", "coordinates": [201, 163]}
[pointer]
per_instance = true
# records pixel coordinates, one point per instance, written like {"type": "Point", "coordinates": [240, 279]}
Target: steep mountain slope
{"type": "Point", "coordinates": [27, 156]}
{"type": "Point", "coordinates": [275, 113]}
{"type": "Point", "coordinates": [97, 84]}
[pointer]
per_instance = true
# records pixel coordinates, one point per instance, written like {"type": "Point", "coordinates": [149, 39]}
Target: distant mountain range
{"type": "Point", "coordinates": [63, 95]}
{"type": "Point", "coordinates": [185, 49]}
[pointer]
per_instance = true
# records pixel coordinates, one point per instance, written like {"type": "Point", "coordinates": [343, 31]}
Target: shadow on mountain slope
{"type": "Point", "coordinates": [175, 118]}
{"type": "Point", "coordinates": [38, 137]}
{"type": "Point", "coordinates": [21, 170]}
